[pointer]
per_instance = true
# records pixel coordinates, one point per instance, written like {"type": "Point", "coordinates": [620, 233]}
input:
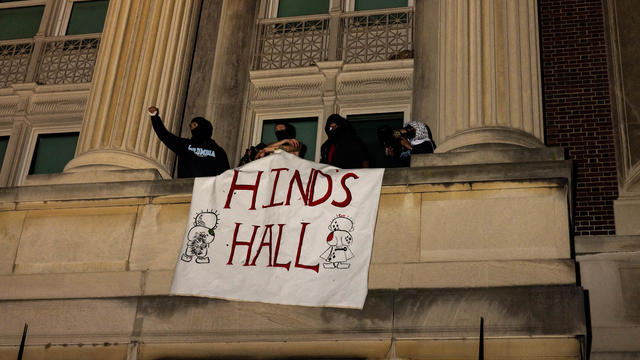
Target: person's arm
{"type": "Point", "coordinates": [173, 142]}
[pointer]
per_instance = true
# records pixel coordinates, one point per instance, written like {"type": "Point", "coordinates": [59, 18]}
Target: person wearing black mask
{"type": "Point", "coordinates": [343, 148]}
{"type": "Point", "coordinates": [197, 157]}
{"type": "Point", "coordinates": [286, 140]}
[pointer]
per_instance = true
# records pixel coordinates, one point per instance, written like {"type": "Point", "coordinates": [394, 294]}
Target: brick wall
{"type": "Point", "coordinates": [578, 106]}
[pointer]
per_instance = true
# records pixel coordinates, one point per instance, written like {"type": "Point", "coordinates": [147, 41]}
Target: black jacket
{"type": "Point", "coordinates": [197, 157]}
{"type": "Point", "coordinates": [349, 152]}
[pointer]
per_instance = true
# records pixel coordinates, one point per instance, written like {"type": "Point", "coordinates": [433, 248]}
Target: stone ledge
{"type": "Point", "coordinates": [555, 171]}
{"type": "Point", "coordinates": [411, 314]}
{"type": "Point", "coordinates": [488, 157]}
{"type": "Point", "coordinates": [481, 274]}
{"type": "Point", "coordinates": [586, 245]}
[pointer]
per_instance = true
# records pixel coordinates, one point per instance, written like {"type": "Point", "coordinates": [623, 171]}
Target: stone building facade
{"type": "Point", "coordinates": [527, 215]}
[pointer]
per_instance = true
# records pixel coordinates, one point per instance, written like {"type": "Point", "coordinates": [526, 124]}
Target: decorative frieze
{"type": "Point", "coordinates": [279, 87]}
{"type": "Point", "coordinates": [374, 81]}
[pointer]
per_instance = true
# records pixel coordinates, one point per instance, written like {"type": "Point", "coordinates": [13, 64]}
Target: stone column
{"type": "Point", "coordinates": [231, 64]}
{"type": "Point", "coordinates": [144, 60]}
{"type": "Point", "coordinates": [489, 75]}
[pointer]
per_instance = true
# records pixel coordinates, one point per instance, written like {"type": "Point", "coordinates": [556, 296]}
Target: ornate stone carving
{"type": "Point", "coordinates": [374, 82]}
{"type": "Point", "coordinates": [279, 87]}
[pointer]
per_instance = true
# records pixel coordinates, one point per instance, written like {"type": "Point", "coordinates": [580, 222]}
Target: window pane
{"type": "Point", "coordinates": [4, 141]}
{"type": "Point", "coordinates": [302, 7]}
{"type": "Point", "coordinates": [366, 127]}
{"type": "Point", "coordinates": [87, 17]}
{"type": "Point", "coordinates": [306, 130]}
{"type": "Point", "coordinates": [379, 4]}
{"type": "Point", "coordinates": [53, 152]}
{"type": "Point", "coordinates": [20, 23]}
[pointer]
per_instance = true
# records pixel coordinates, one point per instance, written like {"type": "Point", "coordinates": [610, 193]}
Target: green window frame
{"type": "Point", "coordinates": [87, 17]}
{"type": "Point", "coordinates": [288, 8]}
{"type": "Point", "coordinates": [52, 152]}
{"type": "Point", "coordinates": [366, 126]}
{"type": "Point", "coordinates": [306, 132]}
{"type": "Point", "coordinates": [363, 5]}
{"type": "Point", "coordinates": [4, 143]}
{"type": "Point", "coordinates": [20, 22]}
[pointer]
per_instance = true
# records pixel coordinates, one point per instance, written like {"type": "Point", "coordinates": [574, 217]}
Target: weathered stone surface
{"type": "Point", "coordinates": [397, 233]}
{"type": "Point", "coordinates": [516, 311]}
{"type": "Point", "coordinates": [190, 319]}
{"type": "Point", "coordinates": [488, 157]}
{"type": "Point", "coordinates": [375, 348]}
{"type": "Point", "coordinates": [71, 285]}
{"type": "Point", "coordinates": [101, 351]}
{"type": "Point", "coordinates": [82, 321]}
{"type": "Point", "coordinates": [10, 230]}
{"type": "Point", "coordinates": [612, 281]}
{"type": "Point", "coordinates": [158, 236]}
{"type": "Point", "coordinates": [526, 223]}
{"type": "Point", "coordinates": [627, 213]}
{"type": "Point", "coordinates": [552, 349]}
{"type": "Point", "coordinates": [73, 240]}
{"type": "Point", "coordinates": [476, 274]}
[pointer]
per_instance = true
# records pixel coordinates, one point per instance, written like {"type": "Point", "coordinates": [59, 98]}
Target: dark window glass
{"type": "Point", "coordinates": [87, 17]}
{"type": "Point", "coordinates": [379, 4]}
{"type": "Point", "coordinates": [366, 126]}
{"type": "Point", "coordinates": [53, 152]}
{"type": "Point", "coordinates": [20, 22]}
{"type": "Point", "coordinates": [4, 141]}
{"type": "Point", "coordinates": [306, 131]}
{"type": "Point", "coordinates": [302, 7]}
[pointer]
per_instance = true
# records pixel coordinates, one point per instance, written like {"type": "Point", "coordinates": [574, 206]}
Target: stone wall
{"type": "Point", "coordinates": [89, 266]}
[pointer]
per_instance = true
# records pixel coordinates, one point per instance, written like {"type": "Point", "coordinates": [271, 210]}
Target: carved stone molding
{"type": "Point", "coordinates": [58, 103]}
{"type": "Point", "coordinates": [375, 81]}
{"type": "Point", "coordinates": [9, 105]}
{"type": "Point", "coordinates": [289, 87]}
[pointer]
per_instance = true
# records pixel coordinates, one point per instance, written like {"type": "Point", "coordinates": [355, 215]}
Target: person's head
{"type": "Point", "coordinates": [334, 122]}
{"type": "Point", "coordinates": [201, 128]}
{"type": "Point", "coordinates": [284, 130]}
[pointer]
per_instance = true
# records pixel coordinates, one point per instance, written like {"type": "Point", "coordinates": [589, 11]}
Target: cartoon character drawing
{"type": "Point", "coordinates": [200, 236]}
{"type": "Point", "coordinates": [339, 240]}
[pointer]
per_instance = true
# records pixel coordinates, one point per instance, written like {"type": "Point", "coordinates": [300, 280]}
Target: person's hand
{"type": "Point", "coordinates": [388, 151]}
{"type": "Point", "coordinates": [293, 142]}
{"type": "Point", "coordinates": [405, 144]}
{"type": "Point", "coordinates": [153, 110]}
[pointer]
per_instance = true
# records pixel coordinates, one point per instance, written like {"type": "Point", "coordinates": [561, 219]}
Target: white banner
{"type": "Point", "coordinates": [281, 230]}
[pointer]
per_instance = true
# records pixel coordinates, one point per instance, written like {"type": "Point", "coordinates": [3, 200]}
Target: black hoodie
{"type": "Point", "coordinates": [197, 157]}
{"type": "Point", "coordinates": [343, 149]}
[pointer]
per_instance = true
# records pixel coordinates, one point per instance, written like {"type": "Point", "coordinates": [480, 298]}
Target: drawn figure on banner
{"type": "Point", "coordinates": [200, 236]}
{"type": "Point", "coordinates": [339, 240]}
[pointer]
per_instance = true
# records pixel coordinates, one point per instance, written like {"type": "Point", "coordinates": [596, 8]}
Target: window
{"type": "Point", "coordinates": [52, 152]}
{"type": "Point", "coordinates": [4, 141]}
{"type": "Point", "coordinates": [87, 17]}
{"type": "Point", "coordinates": [366, 126]}
{"type": "Point", "coordinates": [19, 22]}
{"type": "Point", "coordinates": [306, 132]}
{"type": "Point", "coordinates": [288, 8]}
{"type": "Point", "coordinates": [361, 5]}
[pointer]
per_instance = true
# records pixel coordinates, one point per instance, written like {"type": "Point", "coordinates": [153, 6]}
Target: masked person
{"type": "Point", "coordinates": [343, 148]}
{"type": "Point", "coordinates": [419, 136]}
{"type": "Point", "coordinates": [197, 157]}
{"type": "Point", "coordinates": [286, 140]}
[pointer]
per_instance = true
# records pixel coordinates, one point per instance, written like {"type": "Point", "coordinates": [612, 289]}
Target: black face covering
{"type": "Point", "coordinates": [204, 129]}
{"type": "Point", "coordinates": [289, 132]}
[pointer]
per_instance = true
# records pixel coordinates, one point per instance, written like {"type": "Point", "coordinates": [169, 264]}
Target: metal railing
{"type": "Point", "coordinates": [49, 60]}
{"type": "Point", "coordinates": [291, 42]}
{"type": "Point", "coordinates": [379, 35]}
{"type": "Point", "coordinates": [364, 36]}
